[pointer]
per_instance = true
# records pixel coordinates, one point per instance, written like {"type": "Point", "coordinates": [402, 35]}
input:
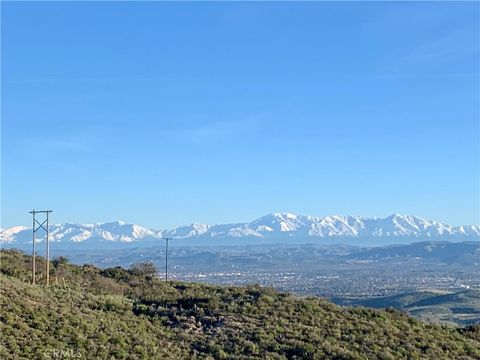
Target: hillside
{"type": "Point", "coordinates": [125, 314]}
{"type": "Point", "coordinates": [462, 307]}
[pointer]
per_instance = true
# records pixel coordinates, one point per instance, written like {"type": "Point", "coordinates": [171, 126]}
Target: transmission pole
{"type": "Point", "coordinates": [37, 226]}
{"type": "Point", "coordinates": [166, 257]}
{"type": "Point", "coordinates": [33, 250]}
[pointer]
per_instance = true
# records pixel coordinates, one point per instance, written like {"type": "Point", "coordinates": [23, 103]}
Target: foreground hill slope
{"type": "Point", "coordinates": [130, 314]}
{"type": "Point", "coordinates": [456, 308]}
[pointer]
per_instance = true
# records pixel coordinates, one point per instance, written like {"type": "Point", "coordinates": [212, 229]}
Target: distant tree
{"type": "Point", "coordinates": [118, 273]}
{"type": "Point", "coordinates": [60, 260]}
{"type": "Point", "coordinates": [144, 268]}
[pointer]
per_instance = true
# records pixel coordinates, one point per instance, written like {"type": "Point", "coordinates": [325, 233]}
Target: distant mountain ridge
{"type": "Point", "coordinates": [281, 227]}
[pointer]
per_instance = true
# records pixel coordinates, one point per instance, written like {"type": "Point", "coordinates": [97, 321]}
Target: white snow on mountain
{"type": "Point", "coordinates": [9, 235]}
{"type": "Point", "coordinates": [188, 231]}
{"type": "Point", "coordinates": [273, 226]}
{"type": "Point", "coordinates": [117, 231]}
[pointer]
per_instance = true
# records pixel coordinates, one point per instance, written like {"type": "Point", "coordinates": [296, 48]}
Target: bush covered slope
{"type": "Point", "coordinates": [461, 308]}
{"type": "Point", "coordinates": [130, 314]}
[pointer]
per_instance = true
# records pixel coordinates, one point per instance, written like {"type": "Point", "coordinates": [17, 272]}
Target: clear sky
{"type": "Point", "coordinates": [169, 113]}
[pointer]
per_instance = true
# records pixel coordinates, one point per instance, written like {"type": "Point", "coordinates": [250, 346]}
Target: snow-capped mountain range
{"type": "Point", "coordinates": [275, 227]}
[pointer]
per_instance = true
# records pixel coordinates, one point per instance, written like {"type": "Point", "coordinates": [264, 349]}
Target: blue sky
{"type": "Point", "coordinates": [168, 113]}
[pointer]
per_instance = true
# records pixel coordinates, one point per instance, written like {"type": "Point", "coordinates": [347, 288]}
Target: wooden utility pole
{"type": "Point", "coordinates": [37, 226]}
{"type": "Point", "coordinates": [33, 250]}
{"type": "Point", "coordinates": [166, 257]}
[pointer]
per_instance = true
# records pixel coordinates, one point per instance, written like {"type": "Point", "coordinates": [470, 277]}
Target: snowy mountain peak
{"type": "Point", "coordinates": [283, 215]}
{"type": "Point", "coordinates": [274, 227]}
{"type": "Point", "coordinates": [283, 222]}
